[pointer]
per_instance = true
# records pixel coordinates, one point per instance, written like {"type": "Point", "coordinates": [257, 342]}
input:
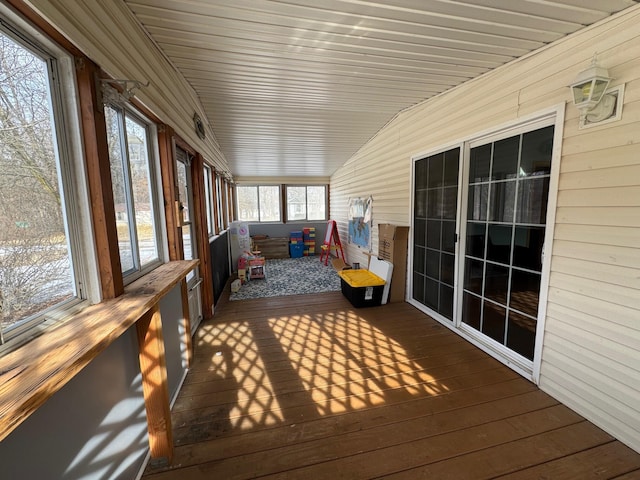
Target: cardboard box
{"type": "Point", "coordinates": [392, 247]}
{"type": "Point", "coordinates": [361, 287]}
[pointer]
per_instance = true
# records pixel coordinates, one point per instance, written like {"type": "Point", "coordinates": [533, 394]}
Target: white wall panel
{"type": "Point", "coordinates": [595, 234]}
{"type": "Point", "coordinates": [619, 156]}
{"type": "Point", "coordinates": [611, 274]}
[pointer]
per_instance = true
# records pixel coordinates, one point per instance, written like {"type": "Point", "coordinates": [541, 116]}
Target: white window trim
{"type": "Point", "coordinates": [306, 186]}
{"type": "Point", "coordinates": [155, 182]}
{"type": "Point", "coordinates": [220, 202]}
{"type": "Point", "coordinates": [209, 174]}
{"type": "Point", "coordinates": [75, 192]}
{"type": "Point", "coordinates": [257, 186]}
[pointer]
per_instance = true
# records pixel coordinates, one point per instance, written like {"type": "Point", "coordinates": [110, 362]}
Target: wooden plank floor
{"type": "Point", "coordinates": [308, 387]}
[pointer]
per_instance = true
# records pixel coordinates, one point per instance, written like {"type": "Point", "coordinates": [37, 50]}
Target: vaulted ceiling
{"type": "Point", "coordinates": [295, 87]}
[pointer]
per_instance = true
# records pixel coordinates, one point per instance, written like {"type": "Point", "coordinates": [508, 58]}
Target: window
{"type": "Point", "coordinates": [262, 203]}
{"type": "Point", "coordinates": [42, 274]}
{"type": "Point", "coordinates": [219, 203]}
{"type": "Point", "coordinates": [258, 203]}
{"type": "Point", "coordinates": [230, 201]}
{"type": "Point", "coordinates": [134, 189]}
{"type": "Point", "coordinates": [184, 183]}
{"type": "Point", "coordinates": [306, 202]}
{"type": "Point", "coordinates": [208, 200]}
{"type": "Point", "coordinates": [183, 180]}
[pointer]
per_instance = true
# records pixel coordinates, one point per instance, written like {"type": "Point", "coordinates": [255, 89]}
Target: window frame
{"type": "Point", "coordinates": [125, 110]}
{"type": "Point", "coordinates": [257, 186]}
{"type": "Point", "coordinates": [225, 202]}
{"type": "Point", "coordinates": [306, 187]}
{"type": "Point", "coordinates": [231, 201]}
{"type": "Point", "coordinates": [219, 203]}
{"type": "Point", "coordinates": [209, 204]}
{"type": "Point", "coordinates": [72, 174]}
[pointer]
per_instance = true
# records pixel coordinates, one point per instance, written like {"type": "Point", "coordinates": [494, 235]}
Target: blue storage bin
{"type": "Point", "coordinates": [296, 250]}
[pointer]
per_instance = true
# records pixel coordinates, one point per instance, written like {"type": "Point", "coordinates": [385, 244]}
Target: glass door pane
{"type": "Point", "coordinates": [434, 233]}
{"type": "Point", "coordinates": [505, 229]}
{"type": "Point", "coordinates": [186, 200]}
{"type": "Point", "coordinates": [189, 240]}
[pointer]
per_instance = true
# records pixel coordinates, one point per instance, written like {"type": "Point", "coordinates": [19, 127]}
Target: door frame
{"type": "Point", "coordinates": [195, 283]}
{"type": "Point", "coordinates": [554, 115]}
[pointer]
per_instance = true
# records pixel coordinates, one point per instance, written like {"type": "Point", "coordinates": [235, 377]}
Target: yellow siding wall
{"type": "Point", "coordinates": [591, 354]}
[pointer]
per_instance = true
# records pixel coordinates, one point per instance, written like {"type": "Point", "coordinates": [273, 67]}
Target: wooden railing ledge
{"type": "Point", "coordinates": [32, 374]}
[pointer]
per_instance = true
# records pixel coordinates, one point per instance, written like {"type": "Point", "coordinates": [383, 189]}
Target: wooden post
{"type": "Point", "coordinates": [200, 227]}
{"type": "Point", "coordinates": [167, 168]}
{"type": "Point", "coordinates": [154, 383]}
{"type": "Point", "coordinates": [99, 177]}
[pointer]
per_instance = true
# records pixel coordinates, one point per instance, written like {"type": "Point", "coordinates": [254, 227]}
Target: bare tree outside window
{"type": "Point", "coordinates": [220, 202]}
{"type": "Point", "coordinates": [269, 203]}
{"type": "Point", "coordinates": [261, 203]}
{"type": "Point", "coordinates": [247, 198]}
{"type": "Point", "coordinates": [306, 202]}
{"type": "Point", "coordinates": [258, 203]}
{"type": "Point", "coordinates": [316, 202]}
{"type": "Point", "coordinates": [208, 194]}
{"type": "Point", "coordinates": [131, 177]}
{"type": "Point", "coordinates": [35, 262]}
{"type": "Point", "coordinates": [296, 203]}
{"type": "Point", "coordinates": [119, 180]}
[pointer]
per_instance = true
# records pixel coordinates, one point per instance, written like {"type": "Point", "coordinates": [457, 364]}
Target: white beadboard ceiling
{"type": "Point", "coordinates": [293, 88]}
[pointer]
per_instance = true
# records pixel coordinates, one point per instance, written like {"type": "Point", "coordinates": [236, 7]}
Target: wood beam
{"type": "Point", "coordinates": [98, 165]}
{"type": "Point", "coordinates": [200, 218]}
{"type": "Point", "coordinates": [169, 192]}
{"type": "Point", "coordinates": [154, 384]}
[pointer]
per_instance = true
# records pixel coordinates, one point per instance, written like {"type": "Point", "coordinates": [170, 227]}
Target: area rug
{"type": "Point", "coordinates": [291, 276]}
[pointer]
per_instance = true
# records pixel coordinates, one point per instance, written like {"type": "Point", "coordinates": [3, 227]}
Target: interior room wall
{"type": "Point", "coordinates": [285, 229]}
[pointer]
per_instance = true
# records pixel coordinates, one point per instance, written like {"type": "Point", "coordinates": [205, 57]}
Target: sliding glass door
{"type": "Point", "coordinates": [488, 284]}
{"type": "Point", "coordinates": [434, 233]}
{"type": "Point", "coordinates": [505, 230]}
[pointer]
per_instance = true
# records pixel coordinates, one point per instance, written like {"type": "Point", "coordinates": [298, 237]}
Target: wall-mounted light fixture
{"type": "Point", "coordinates": [591, 97]}
{"type": "Point", "coordinates": [199, 126]}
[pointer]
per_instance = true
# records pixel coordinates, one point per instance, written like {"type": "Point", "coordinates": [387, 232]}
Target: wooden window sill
{"type": "Point", "coordinates": [32, 374]}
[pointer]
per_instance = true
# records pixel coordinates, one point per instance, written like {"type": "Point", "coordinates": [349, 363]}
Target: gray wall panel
{"type": "Point", "coordinates": [95, 426]}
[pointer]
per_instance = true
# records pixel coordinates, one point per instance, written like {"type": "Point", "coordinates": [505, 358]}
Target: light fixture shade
{"type": "Point", "coordinates": [589, 86]}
